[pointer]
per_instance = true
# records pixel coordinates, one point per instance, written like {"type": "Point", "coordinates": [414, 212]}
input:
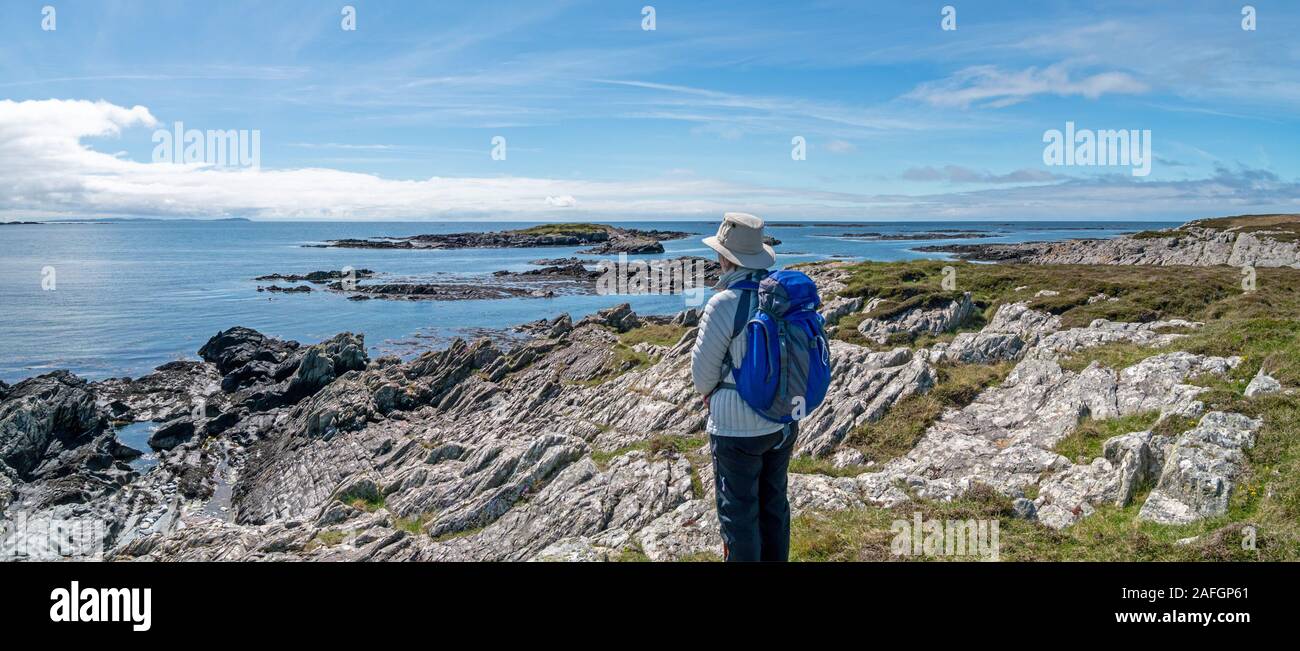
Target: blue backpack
{"type": "Point", "coordinates": [787, 364]}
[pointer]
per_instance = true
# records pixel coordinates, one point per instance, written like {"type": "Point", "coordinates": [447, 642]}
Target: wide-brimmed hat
{"type": "Point", "coordinates": [740, 240]}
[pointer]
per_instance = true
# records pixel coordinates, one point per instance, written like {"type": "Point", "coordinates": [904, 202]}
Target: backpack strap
{"type": "Point", "coordinates": [748, 290]}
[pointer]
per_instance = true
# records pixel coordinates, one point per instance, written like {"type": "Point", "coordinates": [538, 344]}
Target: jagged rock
{"type": "Point", "coordinates": [864, 385]}
{"type": "Point", "coordinates": [688, 318]}
{"type": "Point", "coordinates": [1024, 509]}
{"type": "Point", "coordinates": [490, 454]}
{"type": "Point", "coordinates": [6, 488]}
{"type": "Point", "coordinates": [848, 457]}
{"type": "Point", "coordinates": [620, 317]}
{"type": "Point", "coordinates": [319, 277]}
{"type": "Point", "coordinates": [1262, 384]}
{"type": "Point", "coordinates": [632, 245]}
{"type": "Point", "coordinates": [172, 434]}
{"type": "Point", "coordinates": [305, 373]}
{"type": "Point", "coordinates": [919, 320]}
{"type": "Point", "coordinates": [838, 307]}
{"type": "Point", "coordinates": [230, 349]}
{"type": "Point", "coordinates": [171, 390]}
{"type": "Point", "coordinates": [1198, 479]}
{"type": "Point", "coordinates": [44, 417]}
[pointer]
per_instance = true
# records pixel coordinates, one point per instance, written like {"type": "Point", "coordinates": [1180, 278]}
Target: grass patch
{"type": "Point", "coordinates": [366, 498]}
{"type": "Point", "coordinates": [1142, 293]}
{"type": "Point", "coordinates": [902, 426]}
{"type": "Point", "coordinates": [1109, 534]}
{"type": "Point", "coordinates": [565, 229]}
{"type": "Point", "coordinates": [1153, 235]}
{"type": "Point", "coordinates": [631, 554]}
{"type": "Point", "coordinates": [413, 525]}
{"type": "Point", "coordinates": [1284, 228]}
{"type": "Point", "coordinates": [326, 539]}
{"type": "Point", "coordinates": [807, 465]}
{"type": "Point", "coordinates": [1085, 443]}
{"type": "Point", "coordinates": [1261, 326]}
{"type": "Point", "coordinates": [659, 334]}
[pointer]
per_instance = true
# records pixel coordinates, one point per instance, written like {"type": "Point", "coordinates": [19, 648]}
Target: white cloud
{"type": "Point", "coordinates": [47, 171]}
{"type": "Point", "coordinates": [841, 147]}
{"type": "Point", "coordinates": [993, 87]}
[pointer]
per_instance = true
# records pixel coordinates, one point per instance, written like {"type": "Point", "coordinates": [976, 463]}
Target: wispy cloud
{"type": "Point", "coordinates": [960, 174]}
{"type": "Point", "coordinates": [993, 87]}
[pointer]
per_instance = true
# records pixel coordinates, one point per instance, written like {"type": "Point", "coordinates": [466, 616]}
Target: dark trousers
{"type": "Point", "coordinates": [749, 473]}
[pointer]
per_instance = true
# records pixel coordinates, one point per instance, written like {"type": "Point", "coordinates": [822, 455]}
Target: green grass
{"type": "Point", "coordinates": [565, 229]}
{"type": "Point", "coordinates": [1109, 534]}
{"type": "Point", "coordinates": [413, 525]}
{"type": "Point", "coordinates": [1143, 293]}
{"type": "Point", "coordinates": [1085, 443]}
{"type": "Point", "coordinates": [326, 539]}
{"type": "Point", "coordinates": [363, 500]}
{"type": "Point", "coordinates": [1262, 327]}
{"type": "Point", "coordinates": [1283, 228]}
{"type": "Point", "coordinates": [631, 554]}
{"type": "Point", "coordinates": [659, 334]}
{"type": "Point", "coordinates": [902, 426]}
{"type": "Point", "coordinates": [807, 465]}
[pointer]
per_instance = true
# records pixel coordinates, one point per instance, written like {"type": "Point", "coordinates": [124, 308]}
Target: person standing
{"type": "Point", "coordinates": [751, 454]}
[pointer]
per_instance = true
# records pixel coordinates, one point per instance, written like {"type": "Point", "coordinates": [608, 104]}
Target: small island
{"type": "Point", "coordinates": [601, 238]}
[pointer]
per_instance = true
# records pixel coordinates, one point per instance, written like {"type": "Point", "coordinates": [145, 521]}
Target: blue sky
{"type": "Point", "coordinates": [603, 119]}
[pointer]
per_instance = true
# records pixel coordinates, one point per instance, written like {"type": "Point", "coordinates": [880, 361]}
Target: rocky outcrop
{"type": "Point", "coordinates": [319, 277]}
{"type": "Point", "coordinates": [45, 418]}
{"type": "Point", "coordinates": [172, 390]}
{"type": "Point", "coordinates": [608, 238]}
{"type": "Point", "coordinates": [1262, 384]}
{"type": "Point", "coordinates": [575, 446]}
{"type": "Point", "coordinates": [421, 291]}
{"type": "Point", "coordinates": [1188, 245]}
{"type": "Point", "coordinates": [1201, 471]}
{"type": "Point", "coordinates": [930, 318]}
{"type": "Point", "coordinates": [631, 245]}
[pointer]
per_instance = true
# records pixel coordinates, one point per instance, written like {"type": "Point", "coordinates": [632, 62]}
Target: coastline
{"type": "Point", "coordinates": [321, 452]}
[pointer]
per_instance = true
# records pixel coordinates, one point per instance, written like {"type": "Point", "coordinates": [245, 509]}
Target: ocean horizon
{"type": "Point", "coordinates": [131, 294]}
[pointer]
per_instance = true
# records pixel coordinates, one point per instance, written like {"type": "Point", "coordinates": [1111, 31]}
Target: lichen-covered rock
{"type": "Point", "coordinates": [1198, 478]}
{"type": "Point", "coordinates": [919, 320]}
{"type": "Point", "coordinates": [1262, 384]}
